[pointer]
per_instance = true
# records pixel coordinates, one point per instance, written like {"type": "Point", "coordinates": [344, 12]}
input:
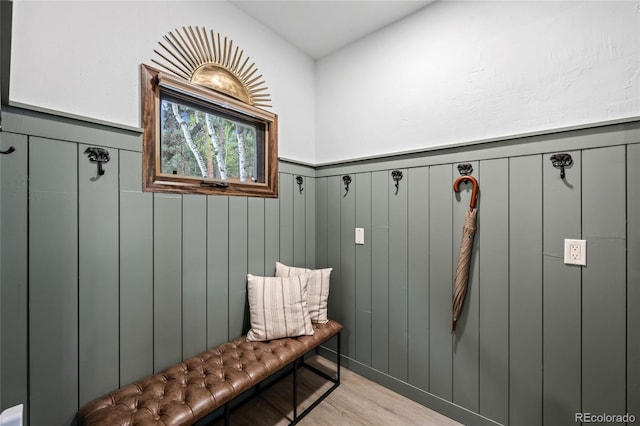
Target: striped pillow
{"type": "Point", "coordinates": [318, 289]}
{"type": "Point", "coordinates": [278, 307]}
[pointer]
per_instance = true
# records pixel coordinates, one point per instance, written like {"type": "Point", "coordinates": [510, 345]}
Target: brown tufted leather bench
{"type": "Point", "coordinates": [188, 391]}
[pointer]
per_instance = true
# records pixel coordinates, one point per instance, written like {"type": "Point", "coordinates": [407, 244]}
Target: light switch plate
{"type": "Point", "coordinates": [575, 252]}
{"type": "Point", "coordinates": [359, 235]}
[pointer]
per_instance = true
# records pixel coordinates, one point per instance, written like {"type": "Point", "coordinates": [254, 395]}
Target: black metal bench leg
{"type": "Point", "coordinates": [295, 390]}
{"type": "Point", "coordinates": [334, 380]}
{"type": "Point", "coordinates": [338, 361]}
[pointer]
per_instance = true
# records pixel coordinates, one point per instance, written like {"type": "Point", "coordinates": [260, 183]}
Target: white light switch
{"type": "Point", "coordinates": [359, 235]}
{"type": "Point", "coordinates": [575, 252]}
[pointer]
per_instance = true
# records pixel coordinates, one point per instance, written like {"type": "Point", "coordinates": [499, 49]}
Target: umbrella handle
{"type": "Point", "coordinates": [474, 190]}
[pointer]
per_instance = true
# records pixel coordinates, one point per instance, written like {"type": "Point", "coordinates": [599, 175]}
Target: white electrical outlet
{"type": "Point", "coordinates": [359, 235]}
{"type": "Point", "coordinates": [575, 252]}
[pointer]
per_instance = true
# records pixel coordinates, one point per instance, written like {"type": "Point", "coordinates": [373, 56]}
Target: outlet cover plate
{"type": "Point", "coordinates": [575, 252]}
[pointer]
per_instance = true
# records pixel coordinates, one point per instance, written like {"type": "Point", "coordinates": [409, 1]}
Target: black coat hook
{"type": "Point", "coordinates": [8, 151]}
{"type": "Point", "coordinates": [98, 155]}
{"type": "Point", "coordinates": [465, 169]}
{"type": "Point", "coordinates": [397, 177]}
{"type": "Point", "coordinates": [347, 180]}
{"type": "Point", "coordinates": [299, 181]}
{"type": "Point", "coordinates": [560, 161]}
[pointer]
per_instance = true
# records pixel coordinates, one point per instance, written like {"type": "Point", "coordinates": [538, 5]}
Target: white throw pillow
{"type": "Point", "coordinates": [318, 292]}
{"type": "Point", "coordinates": [278, 307]}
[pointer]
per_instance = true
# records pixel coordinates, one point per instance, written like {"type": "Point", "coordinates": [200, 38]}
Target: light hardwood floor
{"type": "Point", "coordinates": [357, 401]}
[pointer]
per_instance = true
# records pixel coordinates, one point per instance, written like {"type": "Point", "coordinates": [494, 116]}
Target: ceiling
{"type": "Point", "coordinates": [319, 28]}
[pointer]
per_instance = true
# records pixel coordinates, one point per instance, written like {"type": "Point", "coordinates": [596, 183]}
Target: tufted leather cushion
{"type": "Point", "coordinates": [186, 392]}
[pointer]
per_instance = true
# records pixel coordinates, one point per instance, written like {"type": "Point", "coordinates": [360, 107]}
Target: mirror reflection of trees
{"type": "Point", "coordinates": [200, 143]}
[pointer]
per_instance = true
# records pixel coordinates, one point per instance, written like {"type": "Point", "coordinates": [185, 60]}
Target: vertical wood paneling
{"type": "Point", "coordinates": [334, 194]}
{"type": "Point", "coordinates": [167, 291]}
{"type": "Point", "coordinates": [398, 280]}
{"type": "Point", "coordinates": [136, 271]}
{"type": "Point", "coordinates": [98, 277]}
{"type": "Point", "coordinates": [286, 219]}
{"type": "Point", "coordinates": [53, 281]}
{"type": "Point", "coordinates": [525, 290]}
{"type": "Point", "coordinates": [348, 268]}
{"type": "Point", "coordinates": [271, 235]}
{"type": "Point", "coordinates": [380, 270]}
{"type": "Point", "coordinates": [604, 281]}
{"type": "Point", "coordinates": [182, 267]}
{"type": "Point", "coordinates": [321, 224]}
{"type": "Point", "coordinates": [440, 280]}
{"type": "Point", "coordinates": [494, 290]}
{"type": "Point", "coordinates": [417, 181]}
{"type": "Point", "coordinates": [13, 320]}
{"type": "Point", "coordinates": [322, 245]}
{"type": "Point", "coordinates": [466, 373]}
{"type": "Point", "coordinates": [217, 270]}
{"type": "Point", "coordinates": [633, 278]}
{"type": "Point", "coordinates": [562, 295]}
{"type": "Point", "coordinates": [237, 265]}
{"type": "Point", "coordinates": [299, 225]}
{"type": "Point", "coordinates": [310, 222]}
{"type": "Point", "coordinates": [194, 275]}
{"type": "Point", "coordinates": [256, 235]}
{"type": "Point", "coordinates": [363, 270]}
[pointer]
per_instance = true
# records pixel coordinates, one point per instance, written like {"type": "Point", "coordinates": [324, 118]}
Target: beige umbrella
{"type": "Point", "coordinates": [464, 259]}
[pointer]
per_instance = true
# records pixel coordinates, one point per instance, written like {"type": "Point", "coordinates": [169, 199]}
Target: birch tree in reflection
{"type": "Point", "coordinates": [197, 143]}
{"type": "Point", "coordinates": [188, 139]}
{"type": "Point", "coordinates": [241, 153]}
{"type": "Point", "coordinates": [217, 141]}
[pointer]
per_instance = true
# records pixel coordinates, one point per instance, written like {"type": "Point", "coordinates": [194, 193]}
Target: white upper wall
{"type": "Point", "coordinates": [461, 71]}
{"type": "Point", "coordinates": [454, 72]}
{"type": "Point", "coordinates": [83, 57]}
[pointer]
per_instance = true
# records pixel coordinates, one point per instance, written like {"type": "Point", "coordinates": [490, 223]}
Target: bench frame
{"type": "Point", "coordinates": [300, 362]}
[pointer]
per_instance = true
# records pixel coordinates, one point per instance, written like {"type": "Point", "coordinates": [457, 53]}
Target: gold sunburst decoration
{"type": "Point", "coordinates": [205, 59]}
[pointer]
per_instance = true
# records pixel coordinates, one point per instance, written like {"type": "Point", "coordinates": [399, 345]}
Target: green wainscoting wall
{"type": "Point", "coordinates": [538, 340]}
{"type": "Point", "coordinates": [103, 284]}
